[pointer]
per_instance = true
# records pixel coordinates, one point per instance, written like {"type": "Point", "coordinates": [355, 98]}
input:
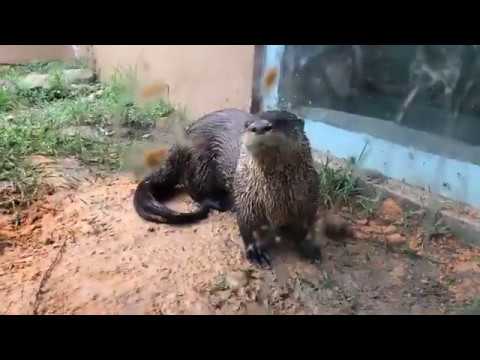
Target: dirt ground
{"type": "Point", "coordinates": [84, 250]}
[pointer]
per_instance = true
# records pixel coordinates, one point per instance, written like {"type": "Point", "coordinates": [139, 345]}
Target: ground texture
{"type": "Point", "coordinates": [83, 250]}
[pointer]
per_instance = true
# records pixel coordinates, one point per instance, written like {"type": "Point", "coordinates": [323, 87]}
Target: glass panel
{"type": "Point", "coordinates": [432, 88]}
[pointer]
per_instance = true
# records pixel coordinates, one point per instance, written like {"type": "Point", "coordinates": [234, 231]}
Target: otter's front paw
{"type": "Point", "coordinates": [258, 257]}
{"type": "Point", "coordinates": [310, 250]}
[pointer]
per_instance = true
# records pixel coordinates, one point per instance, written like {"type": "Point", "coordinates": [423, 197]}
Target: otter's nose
{"type": "Point", "coordinates": [260, 127]}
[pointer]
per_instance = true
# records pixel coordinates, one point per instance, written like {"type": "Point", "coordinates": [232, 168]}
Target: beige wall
{"type": "Point", "coordinates": [16, 54]}
{"type": "Point", "coordinates": [202, 78]}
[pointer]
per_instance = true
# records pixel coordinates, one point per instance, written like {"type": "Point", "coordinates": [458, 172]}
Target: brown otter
{"type": "Point", "coordinates": [260, 164]}
{"type": "Point", "coordinates": [276, 187]}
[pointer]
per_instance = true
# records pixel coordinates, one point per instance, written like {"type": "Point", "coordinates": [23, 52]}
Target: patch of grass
{"type": "Point", "coordinates": [472, 309]}
{"type": "Point", "coordinates": [34, 122]}
{"type": "Point", "coordinates": [6, 100]}
{"type": "Point", "coordinates": [450, 281]}
{"type": "Point", "coordinates": [368, 206]}
{"type": "Point", "coordinates": [337, 186]}
{"type": "Point", "coordinates": [41, 67]}
{"type": "Point", "coordinates": [25, 180]}
{"type": "Point", "coordinates": [20, 98]}
{"type": "Point", "coordinates": [219, 284]}
{"type": "Point", "coordinates": [121, 95]}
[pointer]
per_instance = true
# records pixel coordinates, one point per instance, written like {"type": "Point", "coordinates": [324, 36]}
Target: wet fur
{"type": "Point", "coordinates": [269, 179]}
{"type": "Point", "coordinates": [204, 166]}
{"type": "Point", "coordinates": [276, 188]}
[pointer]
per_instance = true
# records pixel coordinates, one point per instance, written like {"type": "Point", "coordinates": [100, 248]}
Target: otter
{"type": "Point", "coordinates": [259, 166]}
{"type": "Point", "coordinates": [204, 165]}
{"type": "Point", "coordinates": [276, 186]}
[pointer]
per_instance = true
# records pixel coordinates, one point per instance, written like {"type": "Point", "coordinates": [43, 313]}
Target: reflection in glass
{"type": "Point", "coordinates": [432, 88]}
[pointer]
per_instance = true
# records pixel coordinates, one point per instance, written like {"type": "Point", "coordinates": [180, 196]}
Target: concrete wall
{"type": "Point", "coordinates": [17, 54]}
{"type": "Point", "coordinates": [202, 78]}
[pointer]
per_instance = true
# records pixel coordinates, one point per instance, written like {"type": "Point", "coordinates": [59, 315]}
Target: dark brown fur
{"type": "Point", "coordinates": [276, 187]}
{"type": "Point", "coordinates": [268, 176]}
{"type": "Point", "coordinates": [203, 164]}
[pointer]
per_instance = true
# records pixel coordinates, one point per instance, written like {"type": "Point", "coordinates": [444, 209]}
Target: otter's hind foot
{"type": "Point", "coordinates": [310, 251]}
{"type": "Point", "coordinates": [259, 257]}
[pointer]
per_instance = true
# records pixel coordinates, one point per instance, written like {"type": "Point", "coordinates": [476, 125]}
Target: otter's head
{"type": "Point", "coordinates": [273, 131]}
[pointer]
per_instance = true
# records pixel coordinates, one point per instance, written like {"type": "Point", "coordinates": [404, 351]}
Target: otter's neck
{"type": "Point", "coordinates": [276, 160]}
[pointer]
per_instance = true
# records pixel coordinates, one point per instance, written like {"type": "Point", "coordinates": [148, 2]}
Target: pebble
{"type": "Point", "coordinates": [236, 280]}
{"type": "Point", "coordinates": [396, 239]}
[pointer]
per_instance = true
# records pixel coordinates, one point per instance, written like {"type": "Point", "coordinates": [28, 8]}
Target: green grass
{"type": "Point", "coordinates": [6, 100]}
{"type": "Point", "coordinates": [33, 122]}
{"type": "Point", "coordinates": [338, 186]}
{"type": "Point", "coordinates": [19, 98]}
{"type": "Point", "coordinates": [14, 72]}
{"type": "Point", "coordinates": [472, 309]}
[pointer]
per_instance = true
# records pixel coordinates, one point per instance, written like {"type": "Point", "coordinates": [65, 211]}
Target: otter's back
{"type": "Point", "coordinates": [218, 136]}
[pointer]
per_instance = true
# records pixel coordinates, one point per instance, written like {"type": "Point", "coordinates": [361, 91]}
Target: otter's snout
{"type": "Point", "coordinates": [260, 127]}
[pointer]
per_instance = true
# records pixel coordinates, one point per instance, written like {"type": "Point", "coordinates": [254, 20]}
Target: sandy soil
{"type": "Point", "coordinates": [83, 250]}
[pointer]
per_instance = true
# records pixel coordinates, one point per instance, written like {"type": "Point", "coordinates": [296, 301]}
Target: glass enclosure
{"type": "Point", "coordinates": [432, 88]}
{"type": "Point", "coordinates": [414, 110]}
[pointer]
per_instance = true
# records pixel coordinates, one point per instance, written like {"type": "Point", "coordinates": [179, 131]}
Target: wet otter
{"type": "Point", "coordinates": [276, 187]}
{"type": "Point", "coordinates": [260, 165]}
{"type": "Point", "coordinates": [204, 165]}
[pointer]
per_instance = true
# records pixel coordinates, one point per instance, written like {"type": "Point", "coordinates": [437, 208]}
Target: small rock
{"type": "Point", "coordinates": [390, 210]}
{"type": "Point", "coordinates": [86, 132]}
{"type": "Point", "coordinates": [125, 132]}
{"type": "Point", "coordinates": [362, 222]}
{"type": "Point", "coordinates": [224, 295]}
{"type": "Point", "coordinates": [75, 76]}
{"type": "Point", "coordinates": [389, 230]}
{"type": "Point", "coordinates": [396, 239]}
{"type": "Point", "coordinates": [35, 81]}
{"type": "Point", "coordinates": [7, 84]}
{"type": "Point", "coordinates": [236, 280]}
{"type": "Point", "coordinates": [82, 87]}
{"type": "Point", "coordinates": [6, 186]}
{"type": "Point", "coordinates": [151, 229]}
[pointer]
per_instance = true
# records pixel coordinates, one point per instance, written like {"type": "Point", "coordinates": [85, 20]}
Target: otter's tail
{"type": "Point", "coordinates": [159, 187]}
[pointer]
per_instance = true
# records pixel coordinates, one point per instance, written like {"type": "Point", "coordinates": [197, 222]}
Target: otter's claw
{"type": "Point", "coordinates": [259, 257]}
